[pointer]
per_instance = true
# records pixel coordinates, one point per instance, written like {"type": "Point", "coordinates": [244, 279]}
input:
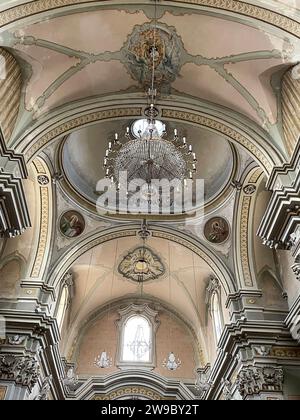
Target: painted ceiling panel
{"type": "Point", "coordinates": [107, 51]}
{"type": "Point", "coordinates": [46, 70]}
{"type": "Point", "coordinates": [94, 32]}
{"type": "Point", "coordinates": [257, 82]}
{"type": "Point", "coordinates": [194, 81]}
{"type": "Point", "coordinates": [95, 79]}
{"type": "Point", "coordinates": [213, 37]}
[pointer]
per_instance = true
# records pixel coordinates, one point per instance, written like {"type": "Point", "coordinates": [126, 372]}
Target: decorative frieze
{"type": "Point", "coordinates": [255, 380]}
{"type": "Point", "coordinates": [23, 370]}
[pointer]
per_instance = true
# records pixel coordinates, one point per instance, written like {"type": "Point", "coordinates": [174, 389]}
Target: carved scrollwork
{"type": "Point", "coordinates": [141, 265]}
{"type": "Point", "coordinates": [251, 380]}
{"type": "Point", "coordinates": [22, 370]}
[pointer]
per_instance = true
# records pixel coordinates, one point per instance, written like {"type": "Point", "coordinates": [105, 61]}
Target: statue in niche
{"type": "Point", "coordinates": [216, 230]}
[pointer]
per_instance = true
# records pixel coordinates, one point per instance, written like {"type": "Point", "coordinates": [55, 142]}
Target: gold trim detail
{"type": "Point", "coordinates": [244, 241]}
{"type": "Point", "coordinates": [130, 391]}
{"type": "Point", "coordinates": [286, 352]}
{"type": "Point", "coordinates": [239, 7]}
{"type": "Point", "coordinates": [78, 122]}
{"type": "Point", "coordinates": [44, 222]}
{"type": "Point", "coordinates": [43, 232]}
{"type": "Point", "coordinates": [255, 177]}
{"type": "Point", "coordinates": [3, 390]}
{"type": "Point", "coordinates": [223, 129]}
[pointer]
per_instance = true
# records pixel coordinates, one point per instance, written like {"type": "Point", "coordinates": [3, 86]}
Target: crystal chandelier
{"type": "Point", "coordinates": [151, 154]}
{"type": "Point", "coordinates": [172, 363]}
{"type": "Point", "coordinates": [139, 346]}
{"type": "Point", "coordinates": [103, 361]}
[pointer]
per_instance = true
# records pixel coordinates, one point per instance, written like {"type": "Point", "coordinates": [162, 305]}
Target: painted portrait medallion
{"type": "Point", "coordinates": [72, 224]}
{"type": "Point", "coordinates": [216, 230]}
{"type": "Point", "coordinates": [162, 47]}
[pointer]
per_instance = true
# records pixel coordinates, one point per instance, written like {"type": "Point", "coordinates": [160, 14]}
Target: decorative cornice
{"type": "Point", "coordinates": [14, 215]}
{"type": "Point", "coordinates": [283, 212]}
{"type": "Point", "coordinates": [237, 7]}
{"type": "Point", "coordinates": [133, 392]}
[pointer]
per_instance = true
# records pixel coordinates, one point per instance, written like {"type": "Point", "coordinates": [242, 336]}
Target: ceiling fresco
{"type": "Point", "coordinates": [82, 55]}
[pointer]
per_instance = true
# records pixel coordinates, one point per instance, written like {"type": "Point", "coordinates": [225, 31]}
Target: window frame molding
{"type": "Point", "coordinates": [150, 315]}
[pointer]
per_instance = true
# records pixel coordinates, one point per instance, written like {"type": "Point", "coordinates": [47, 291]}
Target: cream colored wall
{"type": "Point", "coordinates": [269, 280]}
{"type": "Point", "coordinates": [172, 335]}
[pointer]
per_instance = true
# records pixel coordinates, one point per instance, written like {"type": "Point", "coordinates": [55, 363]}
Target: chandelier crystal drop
{"type": "Point", "coordinates": [151, 156]}
{"type": "Point", "coordinates": [171, 363]}
{"type": "Point", "coordinates": [103, 361]}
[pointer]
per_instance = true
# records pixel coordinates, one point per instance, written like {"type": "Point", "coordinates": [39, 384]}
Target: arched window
{"type": "Point", "coordinates": [137, 340]}
{"type": "Point", "coordinates": [137, 329]}
{"type": "Point", "coordinates": [217, 315]}
{"type": "Point", "coordinates": [62, 307]}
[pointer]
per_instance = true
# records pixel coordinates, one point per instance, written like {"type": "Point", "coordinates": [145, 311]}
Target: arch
{"type": "Point", "coordinates": [231, 125]}
{"type": "Point", "coordinates": [137, 383]}
{"type": "Point", "coordinates": [217, 266]}
{"type": "Point", "coordinates": [243, 229]}
{"type": "Point", "coordinates": [74, 341]}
